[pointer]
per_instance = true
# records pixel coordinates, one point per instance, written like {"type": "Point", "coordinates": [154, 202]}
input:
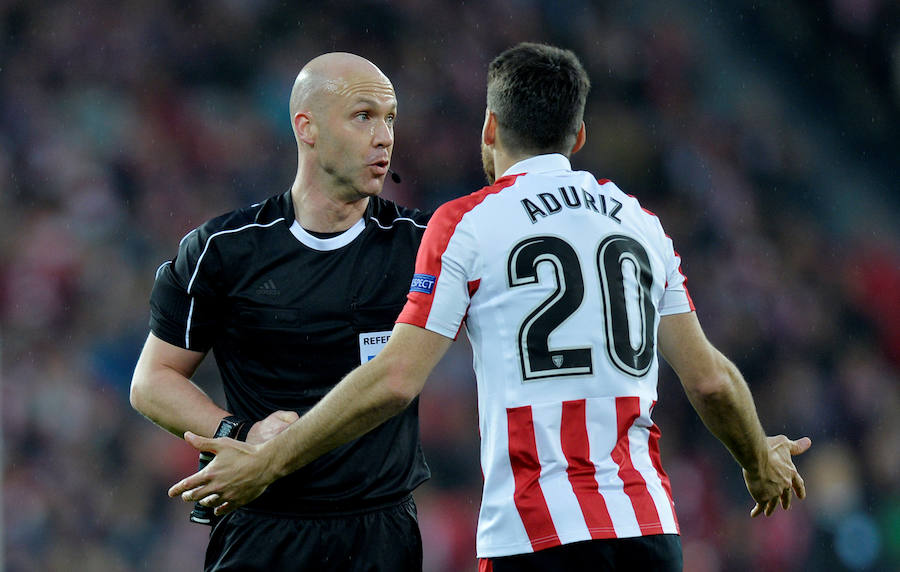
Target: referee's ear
{"type": "Point", "coordinates": [304, 128]}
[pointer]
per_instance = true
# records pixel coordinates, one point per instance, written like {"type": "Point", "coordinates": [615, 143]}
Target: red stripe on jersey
{"type": "Point", "coordinates": [690, 300]}
{"type": "Point", "coordinates": [577, 449]}
{"type": "Point", "coordinates": [627, 410]}
{"type": "Point", "coordinates": [656, 459]}
{"type": "Point", "coordinates": [526, 468]}
{"type": "Point", "coordinates": [684, 281]}
{"type": "Point", "coordinates": [473, 287]}
{"type": "Point", "coordinates": [649, 212]}
{"type": "Point", "coordinates": [434, 242]}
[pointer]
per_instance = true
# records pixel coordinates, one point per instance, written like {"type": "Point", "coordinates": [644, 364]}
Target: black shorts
{"type": "Point", "coordinates": [383, 539]}
{"type": "Point", "coordinates": [654, 553]}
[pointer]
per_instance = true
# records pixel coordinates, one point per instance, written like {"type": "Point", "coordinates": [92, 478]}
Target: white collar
{"type": "Point", "coordinates": [540, 164]}
{"type": "Point", "coordinates": [332, 243]}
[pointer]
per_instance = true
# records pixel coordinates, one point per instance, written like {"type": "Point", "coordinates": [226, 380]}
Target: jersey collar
{"type": "Point", "coordinates": [332, 243]}
{"type": "Point", "coordinates": [540, 164]}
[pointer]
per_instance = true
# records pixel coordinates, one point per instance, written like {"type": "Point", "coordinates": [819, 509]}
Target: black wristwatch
{"type": "Point", "coordinates": [234, 427]}
{"type": "Point", "coordinates": [231, 426]}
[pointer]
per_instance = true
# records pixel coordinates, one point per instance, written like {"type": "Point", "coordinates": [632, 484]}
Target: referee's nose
{"type": "Point", "coordinates": [383, 135]}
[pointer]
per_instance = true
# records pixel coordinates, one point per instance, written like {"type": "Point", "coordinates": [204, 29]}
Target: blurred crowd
{"type": "Point", "coordinates": [763, 136]}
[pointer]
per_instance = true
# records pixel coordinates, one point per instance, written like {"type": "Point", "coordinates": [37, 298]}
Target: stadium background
{"type": "Point", "coordinates": [765, 137]}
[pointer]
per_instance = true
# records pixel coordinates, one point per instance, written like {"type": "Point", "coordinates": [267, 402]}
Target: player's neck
{"type": "Point", "coordinates": [503, 161]}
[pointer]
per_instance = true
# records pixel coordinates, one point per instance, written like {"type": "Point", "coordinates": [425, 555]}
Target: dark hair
{"type": "Point", "coordinates": [538, 94]}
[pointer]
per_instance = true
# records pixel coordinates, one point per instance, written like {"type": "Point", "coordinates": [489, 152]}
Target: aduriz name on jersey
{"type": "Point", "coordinates": [572, 198]}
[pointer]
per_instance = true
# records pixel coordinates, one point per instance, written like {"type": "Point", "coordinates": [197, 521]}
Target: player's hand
{"type": "Point", "coordinates": [237, 475]}
{"type": "Point", "coordinates": [778, 476]}
{"type": "Point", "coordinates": [272, 425]}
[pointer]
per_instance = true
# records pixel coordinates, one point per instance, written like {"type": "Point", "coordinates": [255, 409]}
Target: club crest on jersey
{"type": "Point", "coordinates": [423, 283]}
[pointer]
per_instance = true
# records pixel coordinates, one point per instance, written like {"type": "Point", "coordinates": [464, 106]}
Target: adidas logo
{"type": "Point", "coordinates": [268, 288]}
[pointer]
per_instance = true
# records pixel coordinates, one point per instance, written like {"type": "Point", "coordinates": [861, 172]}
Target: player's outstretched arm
{"type": "Point", "coordinates": [721, 397]}
{"type": "Point", "coordinates": [368, 396]}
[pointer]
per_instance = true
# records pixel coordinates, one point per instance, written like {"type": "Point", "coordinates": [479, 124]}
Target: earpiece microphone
{"type": "Point", "coordinates": [394, 176]}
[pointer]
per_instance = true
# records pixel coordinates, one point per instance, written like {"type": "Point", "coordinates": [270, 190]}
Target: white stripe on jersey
{"type": "Point", "coordinates": [403, 218]}
{"type": "Point", "coordinates": [640, 456]}
{"type": "Point", "coordinates": [561, 500]}
{"type": "Point", "coordinates": [601, 423]}
{"type": "Point", "coordinates": [221, 232]}
{"type": "Point", "coordinates": [160, 267]}
{"type": "Point", "coordinates": [187, 327]}
{"type": "Point", "coordinates": [185, 237]}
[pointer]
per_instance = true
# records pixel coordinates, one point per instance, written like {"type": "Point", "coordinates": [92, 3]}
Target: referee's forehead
{"type": "Point", "coordinates": [368, 88]}
{"type": "Point", "coordinates": [338, 75]}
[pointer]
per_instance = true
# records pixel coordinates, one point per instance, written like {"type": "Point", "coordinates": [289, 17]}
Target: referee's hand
{"type": "Point", "coordinates": [271, 426]}
{"type": "Point", "coordinates": [237, 475]}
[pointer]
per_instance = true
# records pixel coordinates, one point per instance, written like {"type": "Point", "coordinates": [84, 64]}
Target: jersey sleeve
{"type": "Point", "coordinates": [439, 293]}
{"type": "Point", "coordinates": [183, 309]}
{"type": "Point", "coordinates": [675, 299]}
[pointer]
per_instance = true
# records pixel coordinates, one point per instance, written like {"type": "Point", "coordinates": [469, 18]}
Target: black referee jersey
{"type": "Point", "coordinates": [287, 315]}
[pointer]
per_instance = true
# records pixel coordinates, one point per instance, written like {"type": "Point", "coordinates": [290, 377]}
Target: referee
{"type": "Point", "coordinates": [291, 294]}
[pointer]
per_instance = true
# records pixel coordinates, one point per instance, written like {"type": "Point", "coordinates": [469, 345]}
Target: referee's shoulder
{"type": "Point", "coordinates": [387, 214]}
{"type": "Point", "coordinates": [261, 214]}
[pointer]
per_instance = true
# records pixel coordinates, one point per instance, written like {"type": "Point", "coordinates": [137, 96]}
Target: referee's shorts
{"type": "Point", "coordinates": [653, 553]}
{"type": "Point", "coordinates": [375, 540]}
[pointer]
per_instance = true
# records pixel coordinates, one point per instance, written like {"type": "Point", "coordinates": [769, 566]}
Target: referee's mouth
{"type": "Point", "coordinates": [380, 167]}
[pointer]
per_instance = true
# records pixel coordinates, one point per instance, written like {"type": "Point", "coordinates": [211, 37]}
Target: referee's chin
{"type": "Point", "coordinates": [370, 190]}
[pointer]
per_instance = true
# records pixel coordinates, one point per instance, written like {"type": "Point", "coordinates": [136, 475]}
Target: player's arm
{"type": "Point", "coordinates": [365, 398]}
{"type": "Point", "coordinates": [162, 390]}
{"type": "Point", "coordinates": [721, 397]}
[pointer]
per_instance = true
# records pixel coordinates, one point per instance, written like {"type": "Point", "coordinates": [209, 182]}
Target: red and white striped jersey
{"type": "Point", "coordinates": [560, 280]}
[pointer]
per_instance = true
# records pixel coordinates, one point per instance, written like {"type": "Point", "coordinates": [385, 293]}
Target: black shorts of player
{"type": "Point", "coordinates": [654, 553]}
{"type": "Point", "coordinates": [379, 540]}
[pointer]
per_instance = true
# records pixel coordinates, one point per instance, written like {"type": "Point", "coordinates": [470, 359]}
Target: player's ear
{"type": "Point", "coordinates": [579, 139]}
{"type": "Point", "coordinates": [489, 131]}
{"type": "Point", "coordinates": [305, 128]}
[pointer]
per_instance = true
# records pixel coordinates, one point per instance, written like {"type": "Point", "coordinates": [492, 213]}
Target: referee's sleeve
{"type": "Point", "coordinates": [183, 308]}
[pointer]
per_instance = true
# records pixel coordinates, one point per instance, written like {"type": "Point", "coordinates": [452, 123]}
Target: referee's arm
{"type": "Point", "coordinates": [365, 398]}
{"type": "Point", "coordinates": [162, 391]}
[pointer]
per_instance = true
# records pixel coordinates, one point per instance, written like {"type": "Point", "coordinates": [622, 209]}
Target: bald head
{"type": "Point", "coordinates": [334, 74]}
{"type": "Point", "coordinates": [342, 112]}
